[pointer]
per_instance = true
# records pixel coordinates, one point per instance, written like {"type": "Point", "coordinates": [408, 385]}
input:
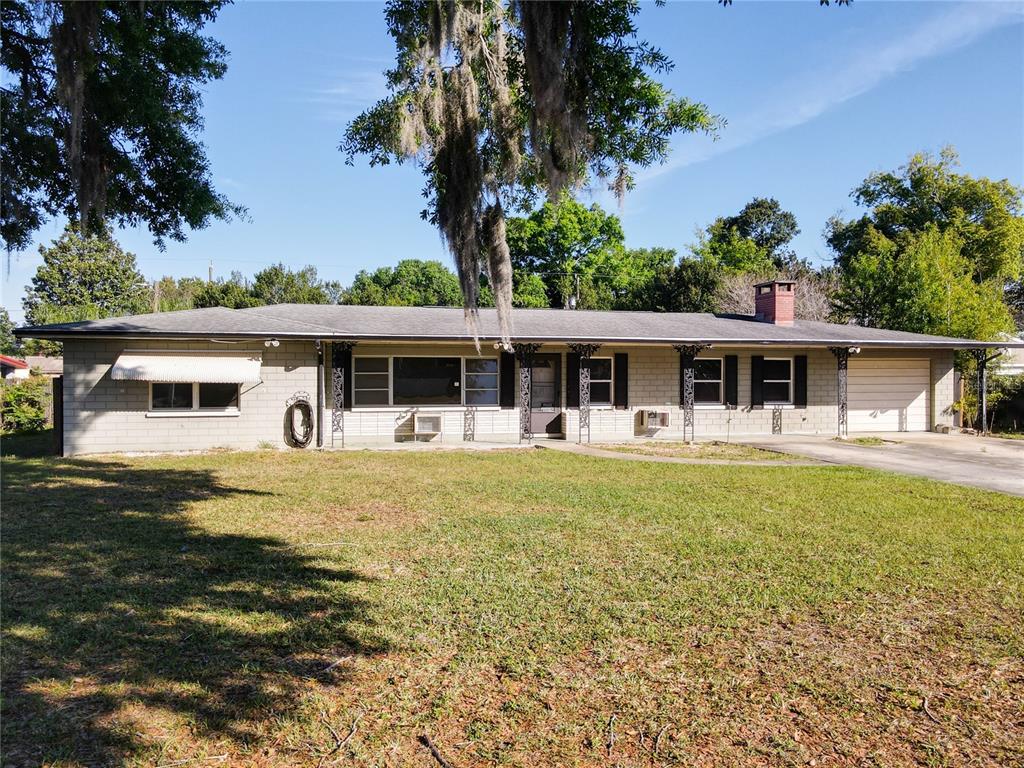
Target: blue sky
{"type": "Point", "coordinates": [815, 99]}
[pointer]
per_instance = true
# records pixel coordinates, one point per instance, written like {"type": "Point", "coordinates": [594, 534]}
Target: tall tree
{"type": "Point", "coordinates": [8, 343]}
{"type": "Point", "coordinates": [101, 116]}
{"type": "Point", "coordinates": [768, 226]}
{"type": "Point", "coordinates": [233, 293]}
{"type": "Point", "coordinates": [84, 278]}
{"type": "Point", "coordinates": [498, 101]}
{"type": "Point", "coordinates": [570, 247]}
{"type": "Point", "coordinates": [170, 295]}
{"type": "Point", "coordinates": [692, 285]}
{"type": "Point", "coordinates": [412, 283]}
{"type": "Point", "coordinates": [934, 252]}
{"type": "Point", "coordinates": [279, 284]}
{"type": "Point", "coordinates": [986, 215]}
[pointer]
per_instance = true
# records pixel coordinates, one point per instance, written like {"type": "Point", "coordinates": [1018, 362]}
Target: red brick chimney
{"type": "Point", "coordinates": [773, 302]}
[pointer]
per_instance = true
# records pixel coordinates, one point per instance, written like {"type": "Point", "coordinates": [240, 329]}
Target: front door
{"type": "Point", "coordinates": [546, 395]}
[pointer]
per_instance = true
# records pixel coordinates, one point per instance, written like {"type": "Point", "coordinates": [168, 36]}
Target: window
{"type": "Point", "coordinates": [164, 396]}
{"type": "Point", "coordinates": [482, 381]}
{"type": "Point", "coordinates": [427, 380]}
{"type": "Point", "coordinates": [177, 396]}
{"type": "Point", "coordinates": [413, 381]}
{"type": "Point", "coordinates": [707, 381]}
{"type": "Point", "coordinates": [218, 395]}
{"type": "Point", "coordinates": [371, 383]}
{"type": "Point", "coordinates": [777, 378]}
{"type": "Point", "coordinates": [600, 381]}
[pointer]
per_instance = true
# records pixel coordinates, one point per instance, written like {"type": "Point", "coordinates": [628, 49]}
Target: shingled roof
{"type": "Point", "coordinates": [331, 321]}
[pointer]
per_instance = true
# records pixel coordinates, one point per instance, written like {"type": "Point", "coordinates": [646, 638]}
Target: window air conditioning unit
{"type": "Point", "coordinates": [427, 425]}
{"type": "Point", "coordinates": [653, 419]}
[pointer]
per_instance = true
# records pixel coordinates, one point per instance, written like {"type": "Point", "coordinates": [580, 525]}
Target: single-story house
{"type": "Point", "coordinates": [13, 368]}
{"type": "Point", "coordinates": [206, 378]}
{"type": "Point", "coordinates": [44, 365]}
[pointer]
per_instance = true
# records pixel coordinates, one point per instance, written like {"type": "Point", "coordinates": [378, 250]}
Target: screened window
{"type": "Point", "coordinates": [218, 395]}
{"type": "Point", "coordinates": [600, 381]}
{"type": "Point", "coordinates": [482, 381]}
{"type": "Point", "coordinates": [707, 381]}
{"type": "Point", "coordinates": [371, 381]}
{"type": "Point", "coordinates": [427, 380]}
{"type": "Point", "coordinates": [777, 378]}
{"type": "Point", "coordinates": [167, 396]}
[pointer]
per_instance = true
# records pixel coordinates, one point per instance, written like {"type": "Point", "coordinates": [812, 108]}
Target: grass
{"type": "Point", "coordinates": [521, 608]}
{"type": "Point", "coordinates": [713, 449]}
{"type": "Point", "coordinates": [868, 441]}
{"type": "Point", "coordinates": [27, 444]}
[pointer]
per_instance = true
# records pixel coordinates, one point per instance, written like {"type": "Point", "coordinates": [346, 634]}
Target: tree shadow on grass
{"type": "Point", "coordinates": [114, 601]}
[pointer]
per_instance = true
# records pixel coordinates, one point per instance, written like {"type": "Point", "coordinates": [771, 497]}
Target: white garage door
{"type": "Point", "coordinates": [888, 395]}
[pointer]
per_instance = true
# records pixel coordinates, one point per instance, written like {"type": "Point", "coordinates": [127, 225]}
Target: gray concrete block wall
{"type": "Point", "coordinates": [102, 415]}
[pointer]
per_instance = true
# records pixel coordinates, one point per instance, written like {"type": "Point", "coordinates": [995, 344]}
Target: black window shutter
{"type": "Point", "coordinates": [572, 380]}
{"type": "Point", "coordinates": [732, 396]}
{"type": "Point", "coordinates": [800, 381]}
{"type": "Point", "coordinates": [756, 380]}
{"type": "Point", "coordinates": [507, 380]}
{"type": "Point", "coordinates": [685, 363]}
{"type": "Point", "coordinates": [621, 380]}
{"type": "Point", "coordinates": [346, 369]}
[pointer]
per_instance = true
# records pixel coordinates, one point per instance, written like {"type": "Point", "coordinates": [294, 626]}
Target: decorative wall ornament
{"type": "Point", "coordinates": [338, 349]}
{"type": "Point", "coordinates": [688, 353]}
{"type": "Point", "coordinates": [585, 351]}
{"type": "Point", "coordinates": [524, 353]}
{"type": "Point", "coordinates": [776, 420]}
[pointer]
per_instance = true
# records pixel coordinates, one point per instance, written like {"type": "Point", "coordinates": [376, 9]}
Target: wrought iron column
{"type": "Point", "coordinates": [687, 353]}
{"type": "Point", "coordinates": [524, 356]}
{"type": "Point", "coordinates": [319, 393]}
{"type": "Point", "coordinates": [982, 357]}
{"type": "Point", "coordinates": [338, 348]}
{"type": "Point", "coordinates": [842, 388]}
{"type": "Point", "coordinates": [585, 351]}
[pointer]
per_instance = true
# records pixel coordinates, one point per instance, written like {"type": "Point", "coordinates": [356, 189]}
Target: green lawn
{"type": "Point", "coordinates": [520, 608]}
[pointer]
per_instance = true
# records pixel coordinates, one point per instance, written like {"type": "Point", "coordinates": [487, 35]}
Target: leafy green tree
{"type": "Point", "coordinates": [921, 282]}
{"type": "Point", "coordinates": [170, 295]}
{"type": "Point", "coordinates": [232, 293]}
{"type": "Point", "coordinates": [768, 226]}
{"type": "Point", "coordinates": [23, 404]}
{"type": "Point", "coordinates": [8, 343]}
{"type": "Point", "coordinates": [692, 285]}
{"type": "Point", "coordinates": [279, 284]}
{"type": "Point", "coordinates": [100, 117]}
{"type": "Point", "coordinates": [412, 283]}
{"type": "Point", "coordinates": [529, 291]}
{"type": "Point", "coordinates": [985, 215]}
{"type": "Point", "coordinates": [729, 250]}
{"type": "Point", "coordinates": [500, 101]}
{"type": "Point", "coordinates": [578, 252]}
{"type": "Point", "coordinates": [84, 278]}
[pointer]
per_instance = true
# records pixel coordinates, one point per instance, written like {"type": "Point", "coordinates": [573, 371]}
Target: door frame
{"type": "Point", "coordinates": [548, 422]}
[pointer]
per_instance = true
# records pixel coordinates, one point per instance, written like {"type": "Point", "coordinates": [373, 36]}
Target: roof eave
{"type": "Point", "coordinates": [65, 334]}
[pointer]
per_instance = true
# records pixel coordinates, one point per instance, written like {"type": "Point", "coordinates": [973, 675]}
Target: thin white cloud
{"type": "Point", "coordinates": [348, 94]}
{"type": "Point", "coordinates": [810, 95]}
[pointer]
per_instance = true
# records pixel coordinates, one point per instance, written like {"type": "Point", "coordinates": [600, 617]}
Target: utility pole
{"type": "Point", "coordinates": [211, 271]}
{"type": "Point", "coordinates": [156, 295]}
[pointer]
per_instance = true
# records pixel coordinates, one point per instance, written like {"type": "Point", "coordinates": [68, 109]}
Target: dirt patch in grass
{"type": "Point", "coordinates": [714, 449]}
{"type": "Point", "coordinates": [868, 441]}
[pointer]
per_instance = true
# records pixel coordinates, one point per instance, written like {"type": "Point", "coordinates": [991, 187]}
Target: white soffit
{"type": "Point", "coordinates": [185, 366]}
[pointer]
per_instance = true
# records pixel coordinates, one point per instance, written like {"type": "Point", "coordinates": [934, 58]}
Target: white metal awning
{"type": "Point", "coordinates": [188, 366]}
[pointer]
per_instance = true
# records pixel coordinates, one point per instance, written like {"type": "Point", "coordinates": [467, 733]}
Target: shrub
{"type": "Point", "coordinates": [23, 404]}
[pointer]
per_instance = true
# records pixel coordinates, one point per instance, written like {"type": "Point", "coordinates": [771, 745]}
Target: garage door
{"type": "Point", "coordinates": [888, 395]}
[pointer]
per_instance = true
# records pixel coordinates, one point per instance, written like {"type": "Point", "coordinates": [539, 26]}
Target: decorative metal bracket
{"type": "Point", "coordinates": [842, 355]}
{"type": "Point", "coordinates": [688, 352]}
{"type": "Point", "coordinates": [585, 351]}
{"type": "Point", "coordinates": [524, 353]}
{"type": "Point", "coordinates": [338, 348]}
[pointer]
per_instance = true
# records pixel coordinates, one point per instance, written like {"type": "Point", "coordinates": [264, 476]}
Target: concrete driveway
{"type": "Point", "coordinates": [983, 462]}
